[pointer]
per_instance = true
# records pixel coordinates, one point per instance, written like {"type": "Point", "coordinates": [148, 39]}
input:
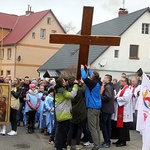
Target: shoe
{"type": "Point", "coordinates": [88, 144]}
{"type": "Point", "coordinates": [31, 131]}
{"type": "Point", "coordinates": [11, 133]}
{"type": "Point", "coordinates": [121, 144]}
{"type": "Point", "coordinates": [45, 131]}
{"type": "Point", "coordinates": [51, 141]}
{"type": "Point", "coordinates": [68, 147]}
{"type": "Point", "coordinates": [18, 123]}
{"type": "Point", "coordinates": [104, 145]}
{"type": "Point", "coordinates": [42, 130]}
{"type": "Point", "coordinates": [95, 148]}
{"type": "Point", "coordinates": [78, 147]}
{"type": "Point", "coordinates": [83, 140]}
{"type": "Point", "coordinates": [117, 142]}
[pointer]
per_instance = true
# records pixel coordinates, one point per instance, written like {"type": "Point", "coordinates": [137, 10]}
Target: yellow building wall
{"type": "Point", "coordinates": [33, 52]}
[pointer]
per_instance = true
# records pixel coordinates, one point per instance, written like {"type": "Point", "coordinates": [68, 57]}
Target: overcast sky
{"type": "Point", "coordinates": [67, 11]}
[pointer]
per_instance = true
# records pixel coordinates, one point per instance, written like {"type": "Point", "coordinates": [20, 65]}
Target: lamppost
{"type": "Point", "coordinates": [1, 40]}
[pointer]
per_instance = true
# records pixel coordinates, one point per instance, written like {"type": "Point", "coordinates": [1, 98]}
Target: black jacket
{"type": "Point", "coordinates": [108, 99]}
{"type": "Point", "coordinates": [24, 89]}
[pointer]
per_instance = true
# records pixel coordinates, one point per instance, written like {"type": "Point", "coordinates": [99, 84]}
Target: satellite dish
{"type": "Point", "coordinates": [103, 62]}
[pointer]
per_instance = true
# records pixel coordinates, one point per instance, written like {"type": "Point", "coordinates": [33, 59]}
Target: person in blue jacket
{"type": "Point", "coordinates": [49, 107]}
{"type": "Point", "coordinates": [93, 102]}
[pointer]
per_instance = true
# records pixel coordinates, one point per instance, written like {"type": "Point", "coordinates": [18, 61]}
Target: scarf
{"type": "Point", "coordinates": [121, 110]}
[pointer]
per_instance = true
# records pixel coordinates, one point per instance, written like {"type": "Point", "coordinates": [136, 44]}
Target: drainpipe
{"type": "Point", "coordinates": [15, 59]}
{"type": "Point", "coordinates": [1, 47]}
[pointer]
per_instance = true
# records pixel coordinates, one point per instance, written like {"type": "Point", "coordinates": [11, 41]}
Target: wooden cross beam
{"type": "Point", "coordinates": [85, 39]}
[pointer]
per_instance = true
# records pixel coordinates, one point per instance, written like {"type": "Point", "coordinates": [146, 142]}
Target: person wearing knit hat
{"type": "Point", "coordinates": [31, 86]}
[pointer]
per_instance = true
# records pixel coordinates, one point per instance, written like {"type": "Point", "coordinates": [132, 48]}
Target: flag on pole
{"type": "Point", "coordinates": [143, 117]}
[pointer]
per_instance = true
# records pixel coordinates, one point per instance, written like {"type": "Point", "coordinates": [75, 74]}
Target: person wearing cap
{"type": "Point", "coordinates": [93, 102]}
{"type": "Point", "coordinates": [33, 103]}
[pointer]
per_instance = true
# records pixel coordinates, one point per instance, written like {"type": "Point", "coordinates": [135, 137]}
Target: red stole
{"type": "Point", "coordinates": [121, 110]}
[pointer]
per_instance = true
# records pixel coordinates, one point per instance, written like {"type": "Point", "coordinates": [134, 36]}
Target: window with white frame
{"type": "Point", "coordinates": [145, 28]}
{"type": "Point", "coordinates": [9, 53]}
{"type": "Point", "coordinates": [42, 33]}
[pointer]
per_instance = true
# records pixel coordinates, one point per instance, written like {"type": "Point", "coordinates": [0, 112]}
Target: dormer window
{"type": "Point", "coordinates": [145, 28]}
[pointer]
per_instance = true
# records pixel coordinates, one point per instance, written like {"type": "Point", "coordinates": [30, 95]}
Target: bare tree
{"type": "Point", "coordinates": [68, 27]}
{"type": "Point", "coordinates": [70, 71]}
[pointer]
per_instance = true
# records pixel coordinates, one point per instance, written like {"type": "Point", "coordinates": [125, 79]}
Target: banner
{"type": "Point", "coordinates": [143, 116]}
{"type": "Point", "coordinates": [4, 103]}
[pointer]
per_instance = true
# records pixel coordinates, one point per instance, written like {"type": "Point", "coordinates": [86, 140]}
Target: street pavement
{"type": "Point", "coordinates": [38, 141]}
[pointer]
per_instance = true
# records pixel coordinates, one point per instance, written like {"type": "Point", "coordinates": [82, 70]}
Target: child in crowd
{"type": "Point", "coordinates": [49, 107]}
{"type": "Point", "coordinates": [33, 103]}
{"type": "Point", "coordinates": [42, 122]}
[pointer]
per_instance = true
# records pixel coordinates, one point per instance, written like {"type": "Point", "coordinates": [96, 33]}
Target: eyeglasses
{"type": "Point", "coordinates": [122, 81]}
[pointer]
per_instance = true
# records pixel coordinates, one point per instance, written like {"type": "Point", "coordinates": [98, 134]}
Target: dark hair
{"type": "Point", "coordinates": [51, 89]}
{"type": "Point", "coordinates": [126, 80]}
{"type": "Point", "coordinates": [71, 80]}
{"type": "Point", "coordinates": [109, 77]}
{"type": "Point", "coordinates": [59, 81]}
{"type": "Point", "coordinates": [45, 93]}
{"type": "Point", "coordinates": [96, 74]}
{"type": "Point", "coordinates": [26, 77]}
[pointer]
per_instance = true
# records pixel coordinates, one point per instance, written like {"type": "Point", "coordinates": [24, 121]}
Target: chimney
{"type": "Point", "coordinates": [122, 12]}
{"type": "Point", "coordinates": [28, 12]}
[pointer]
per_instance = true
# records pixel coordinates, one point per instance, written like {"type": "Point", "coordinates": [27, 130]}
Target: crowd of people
{"type": "Point", "coordinates": [74, 112]}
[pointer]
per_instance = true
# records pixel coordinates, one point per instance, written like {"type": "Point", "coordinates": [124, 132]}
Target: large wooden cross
{"type": "Point", "coordinates": [85, 39]}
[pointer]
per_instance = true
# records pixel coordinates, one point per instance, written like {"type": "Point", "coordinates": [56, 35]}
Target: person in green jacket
{"type": "Point", "coordinates": [63, 111]}
{"type": "Point", "coordinates": [79, 114]}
